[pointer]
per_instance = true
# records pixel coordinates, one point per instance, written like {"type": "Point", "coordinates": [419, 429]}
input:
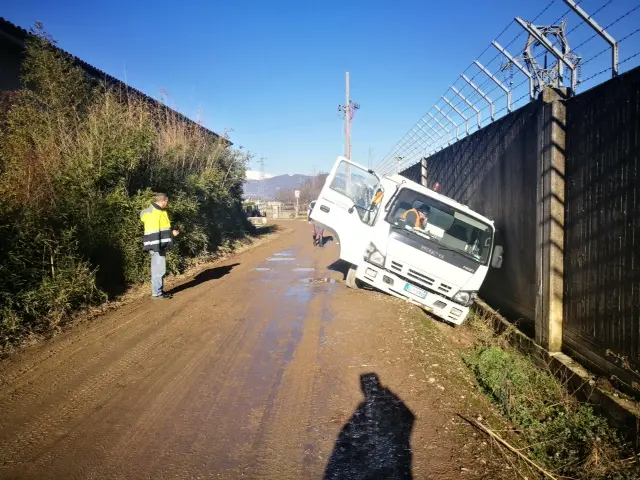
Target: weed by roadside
{"type": "Point", "coordinates": [552, 427]}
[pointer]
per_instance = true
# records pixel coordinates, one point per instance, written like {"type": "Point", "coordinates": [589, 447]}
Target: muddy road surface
{"type": "Point", "coordinates": [262, 366]}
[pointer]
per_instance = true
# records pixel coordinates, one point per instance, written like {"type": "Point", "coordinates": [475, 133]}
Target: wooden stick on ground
{"type": "Point", "coordinates": [500, 440]}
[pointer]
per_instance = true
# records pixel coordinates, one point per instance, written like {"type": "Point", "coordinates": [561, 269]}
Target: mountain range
{"type": "Point", "coordinates": [269, 187]}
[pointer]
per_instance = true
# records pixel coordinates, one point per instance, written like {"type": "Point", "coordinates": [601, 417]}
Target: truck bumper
{"type": "Point", "coordinates": [433, 303]}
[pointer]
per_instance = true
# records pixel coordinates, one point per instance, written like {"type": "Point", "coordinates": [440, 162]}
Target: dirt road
{"type": "Point", "coordinates": [255, 369]}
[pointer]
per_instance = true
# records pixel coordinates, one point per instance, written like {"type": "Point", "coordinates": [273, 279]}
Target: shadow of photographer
{"type": "Point", "coordinates": [375, 442]}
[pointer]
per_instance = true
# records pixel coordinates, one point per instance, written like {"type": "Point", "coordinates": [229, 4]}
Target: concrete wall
{"type": "Point", "coordinates": [493, 172]}
{"type": "Point", "coordinates": [561, 179]}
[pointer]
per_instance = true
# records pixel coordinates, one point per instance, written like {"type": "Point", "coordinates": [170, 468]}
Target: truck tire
{"type": "Point", "coordinates": [351, 280]}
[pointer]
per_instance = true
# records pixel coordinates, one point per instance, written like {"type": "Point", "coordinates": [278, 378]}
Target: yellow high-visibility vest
{"type": "Point", "coordinates": [157, 229]}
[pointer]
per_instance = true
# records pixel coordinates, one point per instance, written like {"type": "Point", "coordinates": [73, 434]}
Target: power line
{"type": "Point", "coordinates": [428, 135]}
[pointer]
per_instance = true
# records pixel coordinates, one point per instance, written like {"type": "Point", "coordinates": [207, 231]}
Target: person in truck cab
{"type": "Point", "coordinates": [417, 216]}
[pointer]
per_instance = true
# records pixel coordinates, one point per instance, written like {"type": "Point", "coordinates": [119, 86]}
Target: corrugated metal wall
{"type": "Point", "coordinates": [602, 231]}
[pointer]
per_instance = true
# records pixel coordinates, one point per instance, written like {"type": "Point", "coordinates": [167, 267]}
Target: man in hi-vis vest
{"type": "Point", "coordinates": [157, 238]}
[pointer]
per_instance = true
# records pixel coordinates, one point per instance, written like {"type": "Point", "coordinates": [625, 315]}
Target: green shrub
{"type": "Point", "coordinates": [77, 164]}
{"type": "Point", "coordinates": [562, 434]}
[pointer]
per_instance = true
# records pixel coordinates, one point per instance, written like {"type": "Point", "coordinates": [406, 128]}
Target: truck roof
{"type": "Point", "coordinates": [396, 178]}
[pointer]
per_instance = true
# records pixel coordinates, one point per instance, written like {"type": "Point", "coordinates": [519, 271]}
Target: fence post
{"type": "Point", "coordinates": [423, 172]}
{"type": "Point", "coordinates": [550, 208]}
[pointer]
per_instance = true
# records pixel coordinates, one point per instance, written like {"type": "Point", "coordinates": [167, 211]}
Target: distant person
{"type": "Point", "coordinates": [418, 216]}
{"type": "Point", "coordinates": [309, 210]}
{"type": "Point", "coordinates": [318, 233]}
{"type": "Point", "coordinates": [157, 238]}
{"type": "Point", "coordinates": [318, 236]}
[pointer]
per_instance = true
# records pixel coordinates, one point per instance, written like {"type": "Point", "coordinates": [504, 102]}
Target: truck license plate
{"type": "Point", "coordinates": [418, 292]}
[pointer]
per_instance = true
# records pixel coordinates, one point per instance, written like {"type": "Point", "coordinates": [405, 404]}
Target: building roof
{"type": "Point", "coordinates": [18, 35]}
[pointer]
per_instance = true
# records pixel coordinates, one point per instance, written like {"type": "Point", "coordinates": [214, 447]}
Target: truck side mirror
{"type": "Point", "coordinates": [496, 258]}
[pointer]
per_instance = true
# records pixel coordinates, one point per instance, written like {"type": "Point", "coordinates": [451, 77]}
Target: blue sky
{"type": "Point", "coordinates": [273, 71]}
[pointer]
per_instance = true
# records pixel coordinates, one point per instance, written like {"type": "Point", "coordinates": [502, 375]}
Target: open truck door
{"type": "Point", "coordinates": [348, 205]}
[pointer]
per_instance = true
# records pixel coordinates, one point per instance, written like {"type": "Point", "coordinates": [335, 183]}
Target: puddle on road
{"type": "Point", "coordinates": [284, 253]}
{"type": "Point", "coordinates": [277, 319]}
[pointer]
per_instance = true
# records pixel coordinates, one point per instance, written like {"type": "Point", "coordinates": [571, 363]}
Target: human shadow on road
{"type": "Point", "coordinates": [204, 276]}
{"type": "Point", "coordinates": [375, 442]}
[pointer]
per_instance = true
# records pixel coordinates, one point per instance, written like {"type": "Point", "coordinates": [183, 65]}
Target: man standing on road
{"type": "Point", "coordinates": [157, 238]}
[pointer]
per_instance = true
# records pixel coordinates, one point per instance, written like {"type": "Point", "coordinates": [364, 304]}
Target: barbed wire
{"type": "Point", "coordinates": [629, 58]}
{"type": "Point", "coordinates": [449, 110]}
{"type": "Point", "coordinates": [467, 104]}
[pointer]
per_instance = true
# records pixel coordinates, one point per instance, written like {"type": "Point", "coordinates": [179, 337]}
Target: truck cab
{"type": "Point", "coordinates": [407, 240]}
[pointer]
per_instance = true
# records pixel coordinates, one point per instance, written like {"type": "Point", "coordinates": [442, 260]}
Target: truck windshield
{"type": "Point", "coordinates": [441, 224]}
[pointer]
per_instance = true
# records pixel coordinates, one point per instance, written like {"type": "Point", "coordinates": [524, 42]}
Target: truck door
{"type": "Point", "coordinates": [344, 206]}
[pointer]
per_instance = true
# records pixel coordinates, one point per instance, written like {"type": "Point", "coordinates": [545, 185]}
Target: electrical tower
{"type": "Point", "coordinates": [548, 74]}
{"type": "Point", "coordinates": [348, 111]}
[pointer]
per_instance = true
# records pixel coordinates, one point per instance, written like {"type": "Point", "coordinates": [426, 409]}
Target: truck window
{"type": "Point", "coordinates": [441, 225]}
{"type": "Point", "coordinates": [358, 185]}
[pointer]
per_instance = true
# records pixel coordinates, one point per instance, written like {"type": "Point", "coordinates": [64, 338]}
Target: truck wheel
{"type": "Point", "coordinates": [352, 281]}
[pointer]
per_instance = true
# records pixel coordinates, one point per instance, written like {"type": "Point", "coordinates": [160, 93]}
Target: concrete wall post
{"type": "Point", "coordinates": [423, 172]}
{"type": "Point", "coordinates": [550, 210]}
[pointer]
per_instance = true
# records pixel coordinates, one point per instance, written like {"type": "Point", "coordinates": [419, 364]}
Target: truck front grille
{"type": "Point", "coordinates": [396, 266]}
{"type": "Point", "coordinates": [420, 277]}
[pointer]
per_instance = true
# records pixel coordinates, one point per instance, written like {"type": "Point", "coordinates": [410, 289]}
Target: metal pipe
{"type": "Point", "coordinates": [600, 31]}
{"type": "Point", "coordinates": [441, 125]}
{"type": "Point", "coordinates": [517, 64]}
{"type": "Point", "coordinates": [496, 81]}
{"type": "Point", "coordinates": [449, 120]}
{"type": "Point", "coordinates": [477, 110]}
{"type": "Point", "coordinates": [425, 132]}
{"type": "Point", "coordinates": [482, 94]}
{"type": "Point", "coordinates": [440, 136]}
{"type": "Point", "coordinates": [455, 109]}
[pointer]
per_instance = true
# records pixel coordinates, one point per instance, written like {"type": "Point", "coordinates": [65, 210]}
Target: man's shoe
{"type": "Point", "coordinates": [164, 296]}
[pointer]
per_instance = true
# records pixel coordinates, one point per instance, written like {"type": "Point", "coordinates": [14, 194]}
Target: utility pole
{"type": "Point", "coordinates": [261, 179]}
{"type": "Point", "coordinates": [348, 112]}
{"type": "Point", "coordinates": [347, 127]}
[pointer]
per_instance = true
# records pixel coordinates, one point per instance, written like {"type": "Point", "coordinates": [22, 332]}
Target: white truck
{"type": "Point", "coordinates": [407, 240]}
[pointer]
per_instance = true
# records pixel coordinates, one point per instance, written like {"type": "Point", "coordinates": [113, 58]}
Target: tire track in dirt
{"type": "Point", "coordinates": [67, 413]}
{"type": "Point", "coordinates": [251, 375]}
{"type": "Point", "coordinates": [58, 416]}
{"type": "Point", "coordinates": [34, 363]}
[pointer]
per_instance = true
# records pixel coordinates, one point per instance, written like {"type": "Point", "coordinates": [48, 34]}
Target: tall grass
{"type": "Point", "coordinates": [77, 164]}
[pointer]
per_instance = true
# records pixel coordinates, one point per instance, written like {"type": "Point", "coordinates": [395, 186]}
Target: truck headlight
{"type": "Point", "coordinates": [373, 255]}
{"type": "Point", "coordinates": [465, 298]}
